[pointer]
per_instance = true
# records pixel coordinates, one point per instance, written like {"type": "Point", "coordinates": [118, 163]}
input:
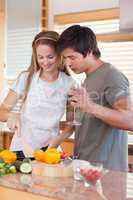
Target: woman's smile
{"type": "Point", "coordinates": [46, 57]}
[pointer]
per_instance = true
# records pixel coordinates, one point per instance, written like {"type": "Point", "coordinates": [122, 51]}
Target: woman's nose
{"type": "Point", "coordinates": [45, 61]}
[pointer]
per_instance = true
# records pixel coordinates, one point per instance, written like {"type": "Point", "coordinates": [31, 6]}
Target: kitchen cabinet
{"type": "Point", "coordinates": [8, 194]}
{"type": "Point", "coordinates": [5, 139]}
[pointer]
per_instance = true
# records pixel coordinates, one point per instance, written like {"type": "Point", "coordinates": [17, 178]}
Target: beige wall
{"type": "Point", "coordinates": [1, 43]}
{"type": "Point", "coordinates": [126, 14]}
{"type": "Point", "coordinates": [67, 6]}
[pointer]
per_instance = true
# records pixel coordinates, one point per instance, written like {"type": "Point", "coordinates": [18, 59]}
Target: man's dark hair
{"type": "Point", "coordinates": [81, 39]}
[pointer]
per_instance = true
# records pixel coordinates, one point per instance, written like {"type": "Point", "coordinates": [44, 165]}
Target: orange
{"type": "Point", "coordinates": [52, 156]}
{"type": "Point", "coordinates": [8, 156]}
{"type": "Point", "coordinates": [38, 154]}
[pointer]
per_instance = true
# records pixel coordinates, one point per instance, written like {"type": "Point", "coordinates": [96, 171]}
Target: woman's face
{"type": "Point", "coordinates": [46, 57]}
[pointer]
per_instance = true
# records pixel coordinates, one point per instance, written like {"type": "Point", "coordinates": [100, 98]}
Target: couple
{"type": "Point", "coordinates": [104, 101]}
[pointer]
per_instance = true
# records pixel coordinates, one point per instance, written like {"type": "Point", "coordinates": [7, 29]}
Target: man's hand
{"type": "Point", "coordinates": [79, 98]}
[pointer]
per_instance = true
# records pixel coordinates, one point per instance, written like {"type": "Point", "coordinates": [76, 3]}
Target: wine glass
{"type": "Point", "coordinates": [75, 122]}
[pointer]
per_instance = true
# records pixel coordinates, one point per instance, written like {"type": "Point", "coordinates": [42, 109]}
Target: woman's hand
{"type": "Point", "coordinates": [13, 122]}
{"type": "Point", "coordinates": [64, 134]}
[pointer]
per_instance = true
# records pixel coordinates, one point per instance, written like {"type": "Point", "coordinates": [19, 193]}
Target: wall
{"type": "Point", "coordinates": [126, 14]}
{"type": "Point", "coordinates": [22, 14]}
{"type": "Point", "coordinates": [66, 6]}
{"type": "Point", "coordinates": [57, 7]}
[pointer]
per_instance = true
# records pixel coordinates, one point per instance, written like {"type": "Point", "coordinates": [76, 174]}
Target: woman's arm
{"type": "Point", "coordinates": [65, 132]}
{"type": "Point", "coordinates": [66, 129]}
{"type": "Point", "coordinates": [6, 106]}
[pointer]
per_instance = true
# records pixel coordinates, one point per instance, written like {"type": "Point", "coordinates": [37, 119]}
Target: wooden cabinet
{"type": "Point", "coordinates": [68, 146]}
{"type": "Point", "coordinates": [5, 139]}
{"type": "Point", "coordinates": [7, 193]}
{"type": "Point", "coordinates": [44, 15]}
{"type": "Point", "coordinates": [2, 5]}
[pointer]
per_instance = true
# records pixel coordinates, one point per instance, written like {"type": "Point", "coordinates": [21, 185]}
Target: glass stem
{"type": "Point", "coordinates": [74, 113]}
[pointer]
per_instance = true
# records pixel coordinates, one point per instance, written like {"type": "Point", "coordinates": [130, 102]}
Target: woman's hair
{"type": "Point", "coordinates": [49, 38]}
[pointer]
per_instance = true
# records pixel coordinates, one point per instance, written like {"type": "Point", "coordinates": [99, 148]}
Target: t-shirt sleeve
{"type": "Point", "coordinates": [117, 87]}
{"type": "Point", "coordinates": [19, 85]}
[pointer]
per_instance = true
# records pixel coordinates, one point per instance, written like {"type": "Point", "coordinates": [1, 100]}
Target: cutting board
{"type": "Point", "coordinates": [52, 170]}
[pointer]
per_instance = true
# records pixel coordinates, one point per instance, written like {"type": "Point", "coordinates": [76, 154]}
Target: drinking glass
{"type": "Point", "coordinates": [75, 122]}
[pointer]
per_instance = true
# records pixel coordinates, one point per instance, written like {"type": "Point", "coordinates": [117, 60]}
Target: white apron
{"type": "Point", "coordinates": [42, 111]}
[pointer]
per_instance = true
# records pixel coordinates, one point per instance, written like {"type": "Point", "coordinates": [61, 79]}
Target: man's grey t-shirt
{"type": "Point", "coordinates": [95, 140]}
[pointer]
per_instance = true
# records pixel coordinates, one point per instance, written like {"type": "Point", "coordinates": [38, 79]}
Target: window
{"type": "Point", "coordinates": [102, 26]}
{"type": "Point", "coordinates": [18, 50]}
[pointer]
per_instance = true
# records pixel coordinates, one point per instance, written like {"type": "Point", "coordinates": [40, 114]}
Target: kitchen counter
{"type": "Point", "coordinates": [114, 186]}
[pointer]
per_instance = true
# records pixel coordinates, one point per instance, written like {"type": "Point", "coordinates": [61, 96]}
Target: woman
{"type": "Point", "coordinates": [43, 88]}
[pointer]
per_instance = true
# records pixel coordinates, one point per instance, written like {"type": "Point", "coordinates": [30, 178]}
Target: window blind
{"type": "Point", "coordinates": [101, 26]}
{"type": "Point", "coordinates": [18, 54]}
{"type": "Point", "coordinates": [129, 188]}
{"type": "Point", "coordinates": [120, 54]}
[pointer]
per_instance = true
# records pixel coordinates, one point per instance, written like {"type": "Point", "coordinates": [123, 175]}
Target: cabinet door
{"type": "Point", "coordinates": [2, 32]}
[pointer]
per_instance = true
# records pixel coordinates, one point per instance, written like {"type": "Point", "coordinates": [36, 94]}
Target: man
{"type": "Point", "coordinates": [104, 101]}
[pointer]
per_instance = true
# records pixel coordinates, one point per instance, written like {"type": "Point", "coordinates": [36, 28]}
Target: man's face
{"type": "Point", "coordinates": [76, 61]}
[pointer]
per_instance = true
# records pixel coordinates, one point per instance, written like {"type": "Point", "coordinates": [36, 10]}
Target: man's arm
{"type": "Point", "coordinates": [120, 116]}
